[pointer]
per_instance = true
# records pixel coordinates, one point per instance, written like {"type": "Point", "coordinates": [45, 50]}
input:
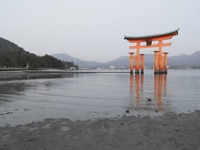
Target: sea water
{"type": "Point", "coordinates": [80, 96]}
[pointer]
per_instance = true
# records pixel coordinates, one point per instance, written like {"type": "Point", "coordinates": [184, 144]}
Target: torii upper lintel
{"type": "Point", "coordinates": [149, 38]}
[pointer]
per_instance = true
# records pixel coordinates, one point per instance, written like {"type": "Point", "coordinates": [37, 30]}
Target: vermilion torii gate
{"type": "Point", "coordinates": [160, 58]}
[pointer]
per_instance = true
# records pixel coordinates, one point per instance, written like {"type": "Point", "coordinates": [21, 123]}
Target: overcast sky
{"type": "Point", "coordinates": [94, 29]}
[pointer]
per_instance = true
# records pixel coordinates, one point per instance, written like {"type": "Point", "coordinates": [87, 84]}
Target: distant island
{"type": "Point", "coordinates": [174, 62]}
{"type": "Point", "coordinates": [15, 57]}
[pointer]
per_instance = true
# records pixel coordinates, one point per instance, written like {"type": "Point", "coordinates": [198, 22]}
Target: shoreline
{"type": "Point", "coordinates": [64, 71]}
{"type": "Point", "coordinates": [169, 131]}
{"type": "Point", "coordinates": [48, 73]}
{"type": "Point", "coordinates": [45, 71]}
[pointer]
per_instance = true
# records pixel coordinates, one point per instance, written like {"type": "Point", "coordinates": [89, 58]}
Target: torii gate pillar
{"type": "Point", "coordinates": [165, 63]}
{"type": "Point", "coordinates": [131, 62]}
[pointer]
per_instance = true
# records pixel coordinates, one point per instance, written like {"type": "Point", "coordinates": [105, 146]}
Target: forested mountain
{"type": "Point", "coordinates": [12, 55]}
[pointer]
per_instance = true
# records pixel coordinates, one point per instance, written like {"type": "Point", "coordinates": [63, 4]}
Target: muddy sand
{"type": "Point", "coordinates": [168, 132]}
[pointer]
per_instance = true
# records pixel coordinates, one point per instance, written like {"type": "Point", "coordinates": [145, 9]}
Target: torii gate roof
{"type": "Point", "coordinates": [146, 38]}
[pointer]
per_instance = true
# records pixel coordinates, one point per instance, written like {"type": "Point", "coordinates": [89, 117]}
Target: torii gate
{"type": "Point", "coordinates": [160, 58]}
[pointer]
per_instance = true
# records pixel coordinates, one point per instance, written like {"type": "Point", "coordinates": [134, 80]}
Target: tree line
{"type": "Point", "coordinates": [23, 59]}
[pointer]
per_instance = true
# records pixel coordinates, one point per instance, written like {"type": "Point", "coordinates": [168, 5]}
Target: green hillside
{"type": "Point", "coordinates": [13, 56]}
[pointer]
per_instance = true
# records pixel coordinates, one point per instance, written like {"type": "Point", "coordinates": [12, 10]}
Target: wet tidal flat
{"type": "Point", "coordinates": [169, 131]}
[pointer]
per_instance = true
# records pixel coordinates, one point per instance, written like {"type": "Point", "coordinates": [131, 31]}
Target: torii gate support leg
{"type": "Point", "coordinates": [165, 62]}
{"type": "Point", "coordinates": [160, 57]}
{"type": "Point", "coordinates": [142, 63]}
{"type": "Point", "coordinates": [131, 62]}
{"type": "Point", "coordinates": [156, 67]}
{"type": "Point", "coordinates": [137, 67]}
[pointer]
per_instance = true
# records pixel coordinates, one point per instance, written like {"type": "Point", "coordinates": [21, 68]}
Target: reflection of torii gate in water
{"type": "Point", "coordinates": [160, 58]}
{"type": "Point", "coordinates": [137, 92]}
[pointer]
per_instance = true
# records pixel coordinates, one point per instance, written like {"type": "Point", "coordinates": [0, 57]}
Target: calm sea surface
{"type": "Point", "coordinates": [98, 95]}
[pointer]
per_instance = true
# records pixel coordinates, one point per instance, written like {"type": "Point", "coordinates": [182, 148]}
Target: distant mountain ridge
{"type": "Point", "coordinates": [185, 60]}
{"type": "Point", "coordinates": [123, 61]}
{"type": "Point", "coordinates": [79, 62]}
{"type": "Point", "coordinates": [11, 55]}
